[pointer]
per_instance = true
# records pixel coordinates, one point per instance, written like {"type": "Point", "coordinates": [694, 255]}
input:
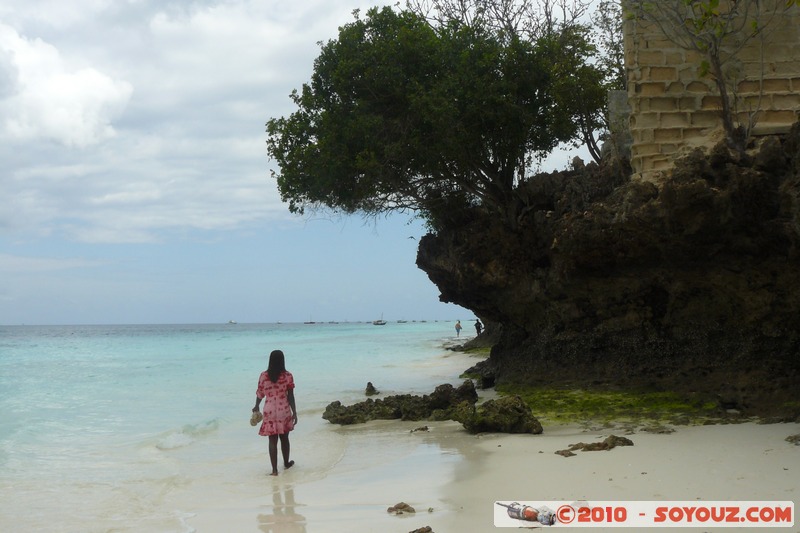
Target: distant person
{"type": "Point", "coordinates": [458, 328]}
{"type": "Point", "coordinates": [280, 412]}
{"type": "Point", "coordinates": [478, 326]}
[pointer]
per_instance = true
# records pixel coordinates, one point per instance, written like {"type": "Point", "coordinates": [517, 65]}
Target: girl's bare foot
{"type": "Point", "coordinates": [274, 473]}
{"type": "Point", "coordinates": [288, 465]}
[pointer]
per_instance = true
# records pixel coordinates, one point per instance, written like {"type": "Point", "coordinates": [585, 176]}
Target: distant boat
{"type": "Point", "coordinates": [380, 322]}
{"type": "Point", "coordinates": [232, 322]}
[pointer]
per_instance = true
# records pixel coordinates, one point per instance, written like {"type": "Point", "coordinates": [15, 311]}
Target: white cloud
{"type": "Point", "coordinates": [47, 99]}
{"type": "Point", "coordinates": [186, 150]}
{"type": "Point", "coordinates": [54, 13]}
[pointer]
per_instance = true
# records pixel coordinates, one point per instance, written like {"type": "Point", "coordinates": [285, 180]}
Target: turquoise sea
{"type": "Point", "coordinates": [118, 428]}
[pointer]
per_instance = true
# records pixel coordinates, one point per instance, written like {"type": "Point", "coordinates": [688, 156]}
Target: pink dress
{"type": "Point", "coordinates": [278, 417]}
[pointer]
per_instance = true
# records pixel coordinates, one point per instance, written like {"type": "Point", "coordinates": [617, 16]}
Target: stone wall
{"type": "Point", "coordinates": [674, 108]}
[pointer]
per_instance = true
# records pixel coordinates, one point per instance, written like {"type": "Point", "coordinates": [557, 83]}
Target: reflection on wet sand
{"type": "Point", "coordinates": [283, 518]}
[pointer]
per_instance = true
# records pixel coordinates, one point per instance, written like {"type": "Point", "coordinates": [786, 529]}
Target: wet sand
{"type": "Point", "coordinates": [453, 479]}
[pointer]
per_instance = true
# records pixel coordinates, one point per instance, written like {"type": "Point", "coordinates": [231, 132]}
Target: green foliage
{"type": "Point", "coordinates": [402, 115]}
{"type": "Point", "coordinates": [608, 36]}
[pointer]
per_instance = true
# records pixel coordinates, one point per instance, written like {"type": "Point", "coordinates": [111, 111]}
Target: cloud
{"type": "Point", "coordinates": [44, 98]}
{"type": "Point", "coordinates": [185, 150]}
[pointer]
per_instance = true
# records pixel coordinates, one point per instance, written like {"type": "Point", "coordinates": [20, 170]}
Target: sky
{"type": "Point", "coordinates": [136, 182]}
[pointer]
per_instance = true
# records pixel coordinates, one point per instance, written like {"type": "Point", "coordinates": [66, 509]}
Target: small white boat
{"type": "Point", "coordinates": [380, 322]}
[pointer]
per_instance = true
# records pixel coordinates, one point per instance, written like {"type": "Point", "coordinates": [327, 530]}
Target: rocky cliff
{"type": "Point", "coordinates": [690, 284]}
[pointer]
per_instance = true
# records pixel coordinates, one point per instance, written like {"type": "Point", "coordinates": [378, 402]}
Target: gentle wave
{"type": "Point", "coordinates": [187, 435]}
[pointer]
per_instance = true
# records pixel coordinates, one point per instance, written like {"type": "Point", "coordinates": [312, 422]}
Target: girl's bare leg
{"type": "Point", "coordinates": [285, 447]}
{"type": "Point", "coordinates": [273, 453]}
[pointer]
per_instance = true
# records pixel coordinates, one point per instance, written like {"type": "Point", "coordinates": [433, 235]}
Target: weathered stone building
{"type": "Point", "coordinates": [675, 108]}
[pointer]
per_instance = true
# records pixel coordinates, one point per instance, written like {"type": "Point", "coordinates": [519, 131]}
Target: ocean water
{"type": "Point", "coordinates": [122, 428]}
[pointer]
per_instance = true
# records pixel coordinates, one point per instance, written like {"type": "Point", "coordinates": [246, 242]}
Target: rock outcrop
{"type": "Point", "coordinates": [442, 404]}
{"type": "Point", "coordinates": [505, 415]}
{"type": "Point", "coordinates": [690, 284]}
{"type": "Point", "coordinates": [509, 414]}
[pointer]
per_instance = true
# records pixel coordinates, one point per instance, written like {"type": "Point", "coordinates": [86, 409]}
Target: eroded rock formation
{"type": "Point", "coordinates": [441, 404]}
{"type": "Point", "coordinates": [509, 414]}
{"type": "Point", "coordinates": [688, 284]}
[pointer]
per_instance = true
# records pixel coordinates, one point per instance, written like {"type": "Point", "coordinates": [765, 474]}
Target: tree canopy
{"type": "Point", "coordinates": [403, 114]}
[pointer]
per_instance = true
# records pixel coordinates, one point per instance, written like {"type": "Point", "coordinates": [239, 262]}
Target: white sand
{"type": "Point", "coordinates": [460, 476]}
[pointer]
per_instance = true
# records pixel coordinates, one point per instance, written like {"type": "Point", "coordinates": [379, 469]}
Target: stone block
{"type": "Point", "coordinates": [705, 119]}
{"type": "Point", "coordinates": [646, 164]}
{"type": "Point", "coordinates": [753, 104]}
{"type": "Point", "coordinates": [750, 54]}
{"type": "Point", "coordinates": [711, 102]}
{"type": "Point", "coordinates": [689, 103]}
{"type": "Point", "coordinates": [749, 87]}
{"type": "Point", "coordinates": [650, 57]}
{"type": "Point", "coordinates": [645, 149]}
{"type": "Point", "coordinates": [687, 74]}
{"type": "Point", "coordinates": [676, 88]}
{"type": "Point", "coordinates": [656, 163]}
{"type": "Point", "coordinates": [780, 117]}
{"type": "Point", "coordinates": [698, 87]}
{"type": "Point", "coordinates": [670, 148]}
{"type": "Point", "coordinates": [770, 129]}
{"type": "Point", "coordinates": [676, 57]}
{"type": "Point", "coordinates": [785, 68]}
{"type": "Point", "coordinates": [661, 43]}
{"type": "Point", "coordinates": [777, 85]}
{"type": "Point", "coordinates": [691, 134]}
{"type": "Point", "coordinates": [650, 89]}
{"type": "Point", "coordinates": [675, 120]}
{"type": "Point", "coordinates": [780, 36]}
{"type": "Point", "coordinates": [634, 75]}
{"type": "Point", "coordinates": [663, 74]}
{"type": "Point", "coordinates": [643, 135]}
{"type": "Point", "coordinates": [667, 135]}
{"type": "Point", "coordinates": [786, 101]}
{"type": "Point", "coordinates": [645, 120]}
{"type": "Point", "coordinates": [747, 117]}
{"type": "Point", "coordinates": [666, 103]}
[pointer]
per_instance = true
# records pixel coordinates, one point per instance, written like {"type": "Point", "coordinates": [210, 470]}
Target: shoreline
{"type": "Point", "coordinates": [459, 476]}
{"type": "Point", "coordinates": [453, 478]}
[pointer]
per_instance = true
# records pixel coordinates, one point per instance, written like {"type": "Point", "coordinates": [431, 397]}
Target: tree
{"type": "Point", "coordinates": [401, 114]}
{"type": "Point", "coordinates": [529, 20]}
{"type": "Point", "coordinates": [557, 25]}
{"type": "Point", "coordinates": [608, 19]}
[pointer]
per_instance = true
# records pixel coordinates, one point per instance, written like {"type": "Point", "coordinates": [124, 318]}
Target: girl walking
{"type": "Point", "coordinates": [276, 388]}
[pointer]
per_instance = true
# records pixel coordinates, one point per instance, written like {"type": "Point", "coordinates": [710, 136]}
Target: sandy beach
{"type": "Point", "coordinates": [453, 479]}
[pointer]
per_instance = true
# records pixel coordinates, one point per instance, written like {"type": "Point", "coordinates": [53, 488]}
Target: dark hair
{"type": "Point", "coordinates": [277, 365]}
